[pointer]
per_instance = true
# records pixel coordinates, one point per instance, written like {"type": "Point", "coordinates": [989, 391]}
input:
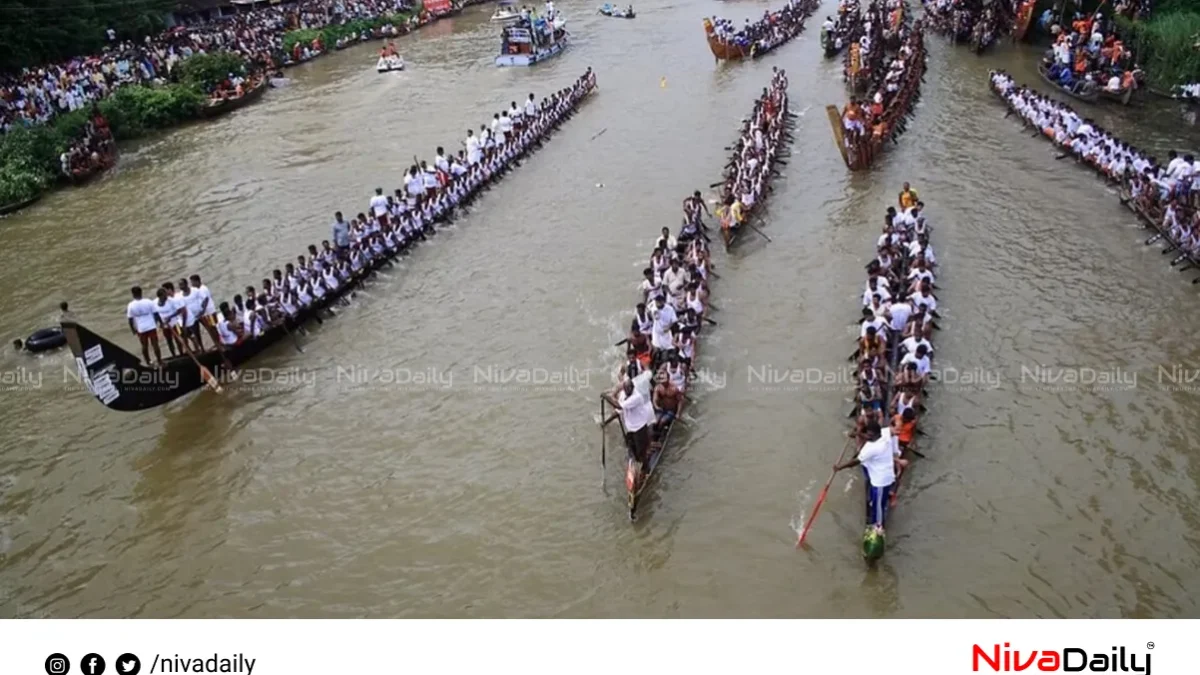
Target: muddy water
{"type": "Point", "coordinates": [433, 452]}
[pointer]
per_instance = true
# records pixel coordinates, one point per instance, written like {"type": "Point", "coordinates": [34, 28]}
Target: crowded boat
{"type": "Point", "coordinates": [93, 152]}
{"type": "Point", "coordinates": [747, 176]}
{"type": "Point", "coordinates": [653, 380]}
{"type": "Point", "coordinates": [972, 22]}
{"type": "Point", "coordinates": [204, 336]}
{"type": "Point", "coordinates": [893, 359]}
{"type": "Point", "coordinates": [834, 32]}
{"type": "Point", "coordinates": [753, 39]}
{"type": "Point", "coordinates": [532, 37]}
{"type": "Point", "coordinates": [389, 59]}
{"type": "Point", "coordinates": [37, 95]}
{"type": "Point", "coordinates": [872, 32]}
{"type": "Point", "coordinates": [608, 9]}
{"type": "Point", "coordinates": [1162, 194]}
{"type": "Point", "coordinates": [1088, 61]}
{"type": "Point", "coordinates": [862, 127]}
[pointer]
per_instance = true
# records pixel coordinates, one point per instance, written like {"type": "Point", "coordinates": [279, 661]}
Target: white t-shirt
{"type": "Point", "coordinates": [900, 313]}
{"type": "Point", "coordinates": [877, 323]}
{"type": "Point", "coordinates": [880, 290]}
{"type": "Point", "coordinates": [922, 362]}
{"type": "Point", "coordinates": [168, 308]}
{"type": "Point", "coordinates": [228, 337]}
{"type": "Point", "coordinates": [206, 294]}
{"type": "Point", "coordinates": [379, 205]}
{"type": "Point", "coordinates": [910, 345]}
{"type": "Point", "coordinates": [192, 301]}
{"type": "Point", "coordinates": [926, 301]}
{"type": "Point", "coordinates": [879, 460]}
{"type": "Point", "coordinates": [636, 410]}
{"type": "Point", "coordinates": [142, 312]}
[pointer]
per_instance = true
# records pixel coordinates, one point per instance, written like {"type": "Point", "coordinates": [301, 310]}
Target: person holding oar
{"type": "Point", "coordinates": [880, 458]}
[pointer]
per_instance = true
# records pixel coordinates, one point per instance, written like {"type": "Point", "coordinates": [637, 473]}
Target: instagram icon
{"type": "Point", "coordinates": [57, 664]}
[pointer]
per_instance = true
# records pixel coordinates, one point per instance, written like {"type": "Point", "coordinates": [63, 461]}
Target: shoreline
{"type": "Point", "coordinates": [24, 202]}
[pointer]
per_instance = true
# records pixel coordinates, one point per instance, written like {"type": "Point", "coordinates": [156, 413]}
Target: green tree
{"type": "Point", "coordinates": [34, 32]}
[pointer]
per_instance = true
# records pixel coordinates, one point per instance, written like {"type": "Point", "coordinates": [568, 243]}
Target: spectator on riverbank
{"type": "Point", "coordinates": [38, 94]}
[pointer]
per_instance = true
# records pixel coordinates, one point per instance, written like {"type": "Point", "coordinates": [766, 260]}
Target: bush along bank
{"type": "Point", "coordinates": [1165, 47]}
{"type": "Point", "coordinates": [29, 158]}
{"type": "Point", "coordinates": [329, 35]}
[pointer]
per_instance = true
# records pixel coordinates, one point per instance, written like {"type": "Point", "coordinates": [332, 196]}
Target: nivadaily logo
{"type": "Point", "coordinates": [1069, 660]}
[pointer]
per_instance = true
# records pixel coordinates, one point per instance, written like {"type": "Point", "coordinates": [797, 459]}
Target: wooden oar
{"type": "Point", "coordinates": [603, 445]}
{"type": "Point", "coordinates": [824, 493]}
{"type": "Point", "coordinates": [751, 226]}
{"type": "Point", "coordinates": [205, 373]}
{"type": "Point", "coordinates": [599, 134]}
{"type": "Point", "coordinates": [292, 335]}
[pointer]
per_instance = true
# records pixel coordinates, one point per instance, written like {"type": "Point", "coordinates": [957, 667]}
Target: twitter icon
{"type": "Point", "coordinates": [128, 664]}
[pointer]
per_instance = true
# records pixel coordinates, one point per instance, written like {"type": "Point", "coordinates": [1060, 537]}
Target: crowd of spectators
{"type": "Point", "coordinates": [35, 95]}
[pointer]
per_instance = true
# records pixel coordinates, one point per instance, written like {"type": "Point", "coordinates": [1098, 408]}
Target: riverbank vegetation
{"type": "Point", "coordinates": [331, 34]}
{"type": "Point", "coordinates": [47, 31]}
{"type": "Point", "coordinates": [1165, 44]}
{"type": "Point", "coordinates": [29, 158]}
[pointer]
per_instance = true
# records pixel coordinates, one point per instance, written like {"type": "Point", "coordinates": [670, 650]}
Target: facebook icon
{"type": "Point", "coordinates": [92, 664]}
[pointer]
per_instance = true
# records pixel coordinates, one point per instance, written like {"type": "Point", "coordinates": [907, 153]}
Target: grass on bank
{"type": "Point", "coordinates": [1165, 47]}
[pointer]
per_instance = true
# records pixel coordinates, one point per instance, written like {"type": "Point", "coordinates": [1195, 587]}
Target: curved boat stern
{"type": "Point", "coordinates": [119, 379]}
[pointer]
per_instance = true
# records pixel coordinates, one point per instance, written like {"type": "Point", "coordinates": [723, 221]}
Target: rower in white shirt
{"type": "Point", "coordinates": [379, 203]}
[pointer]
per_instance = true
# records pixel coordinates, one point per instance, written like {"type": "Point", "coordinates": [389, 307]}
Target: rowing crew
{"type": "Point", "coordinates": [749, 171]}
{"type": "Point", "coordinates": [898, 313]}
{"type": "Point", "coordinates": [358, 246]}
{"type": "Point", "coordinates": [661, 344]}
{"type": "Point", "coordinates": [1089, 142]}
{"type": "Point", "coordinates": [1162, 192]}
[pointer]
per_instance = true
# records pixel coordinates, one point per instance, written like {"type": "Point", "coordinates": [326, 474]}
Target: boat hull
{"type": "Point", "coordinates": [119, 380]}
{"type": "Point", "coordinates": [1092, 97]}
{"type": "Point", "coordinates": [230, 104]}
{"type": "Point", "coordinates": [17, 206]}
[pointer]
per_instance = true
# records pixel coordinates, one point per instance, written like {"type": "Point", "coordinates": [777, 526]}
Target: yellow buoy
{"type": "Point", "coordinates": [663, 82]}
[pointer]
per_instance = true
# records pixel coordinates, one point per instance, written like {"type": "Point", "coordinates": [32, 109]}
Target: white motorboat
{"type": "Point", "coordinates": [506, 11]}
{"type": "Point", "coordinates": [387, 64]}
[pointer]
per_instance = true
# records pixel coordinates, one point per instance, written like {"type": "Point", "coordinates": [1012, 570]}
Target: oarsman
{"type": "Point", "coordinates": [169, 314]}
{"type": "Point", "coordinates": [667, 400]}
{"type": "Point", "coordinates": [880, 459]}
{"type": "Point", "coordinates": [666, 241]}
{"type": "Point", "coordinates": [676, 280]}
{"type": "Point", "coordinates": [664, 318]}
{"type": "Point", "coordinates": [208, 309]}
{"type": "Point", "coordinates": [874, 287]}
{"type": "Point", "coordinates": [644, 319]}
{"type": "Point", "coordinates": [921, 358]}
{"type": "Point", "coordinates": [924, 298]}
{"type": "Point", "coordinates": [379, 204]}
{"type": "Point", "coordinates": [637, 415]}
{"type": "Point", "coordinates": [143, 322]}
{"type": "Point", "coordinates": [194, 304]}
{"type": "Point", "coordinates": [229, 327]}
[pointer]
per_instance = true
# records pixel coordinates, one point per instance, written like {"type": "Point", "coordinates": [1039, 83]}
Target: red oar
{"type": "Point", "coordinates": [821, 499]}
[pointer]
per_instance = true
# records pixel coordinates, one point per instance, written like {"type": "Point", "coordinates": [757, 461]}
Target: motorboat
{"type": "Point", "coordinates": [608, 9]}
{"type": "Point", "coordinates": [387, 64]}
{"type": "Point", "coordinates": [506, 12]}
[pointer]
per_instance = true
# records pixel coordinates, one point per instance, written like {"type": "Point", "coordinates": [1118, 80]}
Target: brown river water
{"type": "Point", "coordinates": [393, 471]}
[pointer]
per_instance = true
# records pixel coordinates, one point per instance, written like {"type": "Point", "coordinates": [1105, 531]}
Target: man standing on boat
{"type": "Point", "coordinates": [142, 316]}
{"type": "Point", "coordinates": [341, 233]}
{"type": "Point", "coordinates": [637, 414]}
{"type": "Point", "coordinates": [879, 457]}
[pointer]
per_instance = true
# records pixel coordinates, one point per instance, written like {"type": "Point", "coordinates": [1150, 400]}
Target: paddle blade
{"type": "Point", "coordinates": [812, 518]}
{"type": "Point", "coordinates": [210, 379]}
